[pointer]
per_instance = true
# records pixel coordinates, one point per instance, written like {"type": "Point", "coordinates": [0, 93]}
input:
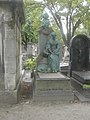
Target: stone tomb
{"type": "Point", "coordinates": [81, 82]}
{"type": "Point", "coordinates": [52, 86]}
{"type": "Point", "coordinates": [79, 66]}
{"type": "Point", "coordinates": [49, 83]}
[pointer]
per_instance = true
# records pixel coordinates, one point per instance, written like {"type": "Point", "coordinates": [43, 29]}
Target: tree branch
{"type": "Point", "coordinates": [76, 26]}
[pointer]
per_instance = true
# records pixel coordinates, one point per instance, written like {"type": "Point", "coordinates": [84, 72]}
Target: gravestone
{"type": "Point", "coordinates": [49, 83]}
{"type": "Point", "coordinates": [11, 19]}
{"type": "Point", "coordinates": [79, 65]}
{"type": "Point", "coordinates": [44, 36]}
{"type": "Point", "coordinates": [44, 33]}
{"type": "Point", "coordinates": [79, 53]}
{"type": "Point", "coordinates": [52, 55]}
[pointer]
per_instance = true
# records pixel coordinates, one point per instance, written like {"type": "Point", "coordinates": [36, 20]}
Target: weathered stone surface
{"type": "Point", "coordinates": [26, 88]}
{"type": "Point", "coordinates": [52, 81]}
{"type": "Point", "coordinates": [78, 86]}
{"type": "Point", "coordinates": [10, 52]}
{"type": "Point", "coordinates": [54, 95]}
{"type": "Point", "coordinates": [64, 68]}
{"type": "Point", "coordinates": [52, 86]}
{"type": "Point", "coordinates": [10, 96]}
{"type": "Point", "coordinates": [42, 42]}
{"type": "Point", "coordinates": [82, 76]}
{"type": "Point", "coordinates": [81, 97]}
{"type": "Point", "coordinates": [44, 33]}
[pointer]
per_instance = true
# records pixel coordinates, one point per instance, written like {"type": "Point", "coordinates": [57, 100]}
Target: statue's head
{"type": "Point", "coordinates": [45, 16]}
{"type": "Point", "coordinates": [53, 35]}
{"type": "Point", "coordinates": [45, 20]}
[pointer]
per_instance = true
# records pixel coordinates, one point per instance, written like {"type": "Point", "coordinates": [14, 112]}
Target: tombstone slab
{"type": "Point", "coordinates": [82, 76]}
{"type": "Point", "coordinates": [79, 66]}
{"type": "Point", "coordinates": [79, 53]}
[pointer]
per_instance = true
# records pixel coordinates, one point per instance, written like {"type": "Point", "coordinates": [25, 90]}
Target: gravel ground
{"type": "Point", "coordinates": [29, 110]}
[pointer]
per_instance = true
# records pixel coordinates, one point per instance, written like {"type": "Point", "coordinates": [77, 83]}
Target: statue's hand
{"type": "Point", "coordinates": [49, 50]}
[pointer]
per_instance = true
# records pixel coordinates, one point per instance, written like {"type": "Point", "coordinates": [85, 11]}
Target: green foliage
{"type": "Point", "coordinates": [85, 86]}
{"type": "Point", "coordinates": [30, 64]}
{"type": "Point", "coordinates": [67, 15]}
{"type": "Point", "coordinates": [57, 31]}
{"type": "Point", "coordinates": [30, 29]}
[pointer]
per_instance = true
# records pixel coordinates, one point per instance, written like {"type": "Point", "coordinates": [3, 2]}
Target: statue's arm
{"type": "Point", "coordinates": [47, 49]}
{"type": "Point", "coordinates": [57, 50]}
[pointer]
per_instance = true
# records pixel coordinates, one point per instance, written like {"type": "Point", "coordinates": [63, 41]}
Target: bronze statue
{"type": "Point", "coordinates": [52, 51]}
{"type": "Point", "coordinates": [49, 48]}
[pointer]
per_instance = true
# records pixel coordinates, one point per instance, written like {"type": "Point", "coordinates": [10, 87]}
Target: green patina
{"type": "Point", "coordinates": [52, 52]}
{"type": "Point", "coordinates": [45, 20]}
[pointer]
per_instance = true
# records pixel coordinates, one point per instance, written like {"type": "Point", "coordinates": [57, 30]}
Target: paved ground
{"type": "Point", "coordinates": [30, 110]}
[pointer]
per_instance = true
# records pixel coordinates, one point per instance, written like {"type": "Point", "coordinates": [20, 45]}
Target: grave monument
{"type": "Point", "coordinates": [11, 19]}
{"type": "Point", "coordinates": [44, 33]}
{"type": "Point", "coordinates": [79, 66]}
{"type": "Point", "coordinates": [49, 83]}
{"type": "Point", "coordinates": [49, 48]}
{"type": "Point", "coordinates": [44, 36]}
{"type": "Point", "coordinates": [52, 54]}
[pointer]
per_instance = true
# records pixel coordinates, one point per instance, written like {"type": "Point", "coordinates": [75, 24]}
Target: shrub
{"type": "Point", "coordinates": [30, 64]}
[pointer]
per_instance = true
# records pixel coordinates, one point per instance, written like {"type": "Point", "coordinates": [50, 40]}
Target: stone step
{"type": "Point", "coordinates": [78, 86]}
{"type": "Point", "coordinates": [81, 97]}
{"type": "Point", "coordinates": [53, 95]}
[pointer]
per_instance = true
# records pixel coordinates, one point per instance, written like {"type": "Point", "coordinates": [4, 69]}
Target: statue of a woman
{"type": "Point", "coordinates": [52, 51]}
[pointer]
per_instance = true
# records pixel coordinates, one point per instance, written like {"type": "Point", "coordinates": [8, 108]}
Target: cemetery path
{"type": "Point", "coordinates": [45, 111]}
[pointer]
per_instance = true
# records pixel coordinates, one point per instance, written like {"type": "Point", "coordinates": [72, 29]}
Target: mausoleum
{"type": "Point", "coordinates": [11, 19]}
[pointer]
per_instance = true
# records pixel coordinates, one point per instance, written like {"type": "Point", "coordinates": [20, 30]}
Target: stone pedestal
{"type": "Point", "coordinates": [52, 86]}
